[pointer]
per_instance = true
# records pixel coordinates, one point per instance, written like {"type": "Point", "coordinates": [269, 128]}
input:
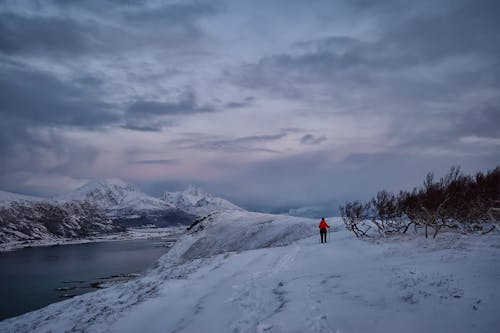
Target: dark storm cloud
{"type": "Point", "coordinates": [37, 98]}
{"type": "Point", "coordinates": [162, 25]}
{"type": "Point", "coordinates": [310, 139]}
{"type": "Point", "coordinates": [185, 13]}
{"type": "Point", "coordinates": [423, 76]}
{"type": "Point", "coordinates": [142, 128]}
{"type": "Point", "coordinates": [232, 145]}
{"type": "Point", "coordinates": [145, 115]}
{"type": "Point", "coordinates": [35, 104]}
{"type": "Point", "coordinates": [247, 101]}
{"type": "Point", "coordinates": [484, 122]}
{"type": "Point", "coordinates": [328, 44]}
{"type": "Point", "coordinates": [470, 29]}
{"type": "Point", "coordinates": [21, 34]}
{"type": "Point", "coordinates": [82, 28]}
{"type": "Point", "coordinates": [144, 10]}
{"type": "Point", "coordinates": [161, 162]}
{"type": "Point", "coordinates": [187, 104]}
{"type": "Point", "coordinates": [235, 105]}
{"type": "Point", "coordinates": [51, 74]}
{"type": "Point", "coordinates": [297, 69]}
{"type": "Point", "coordinates": [415, 69]}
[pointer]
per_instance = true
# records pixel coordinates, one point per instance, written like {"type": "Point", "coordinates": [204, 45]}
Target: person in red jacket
{"type": "Point", "coordinates": [322, 229]}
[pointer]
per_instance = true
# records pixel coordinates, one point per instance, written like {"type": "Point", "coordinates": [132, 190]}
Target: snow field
{"type": "Point", "coordinates": [248, 272]}
{"type": "Point", "coordinates": [344, 286]}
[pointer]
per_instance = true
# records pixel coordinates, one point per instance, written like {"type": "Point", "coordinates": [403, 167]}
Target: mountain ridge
{"type": "Point", "coordinates": [197, 201]}
{"type": "Point", "coordinates": [127, 205]}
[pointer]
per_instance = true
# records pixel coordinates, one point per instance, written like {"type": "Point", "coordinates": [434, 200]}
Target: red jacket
{"type": "Point", "coordinates": [323, 224]}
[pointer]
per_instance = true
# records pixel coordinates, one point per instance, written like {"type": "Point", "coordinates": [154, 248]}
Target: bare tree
{"type": "Point", "coordinates": [455, 201]}
{"type": "Point", "coordinates": [353, 215]}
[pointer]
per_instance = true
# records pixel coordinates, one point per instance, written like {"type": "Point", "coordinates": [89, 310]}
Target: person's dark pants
{"type": "Point", "coordinates": [322, 233]}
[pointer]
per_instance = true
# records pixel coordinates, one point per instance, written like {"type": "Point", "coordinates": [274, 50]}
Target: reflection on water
{"type": "Point", "coordinates": [34, 277]}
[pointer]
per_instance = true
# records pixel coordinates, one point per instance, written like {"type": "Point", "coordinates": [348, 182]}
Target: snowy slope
{"type": "Point", "coordinates": [247, 272]}
{"type": "Point", "coordinates": [126, 204]}
{"type": "Point", "coordinates": [198, 202]}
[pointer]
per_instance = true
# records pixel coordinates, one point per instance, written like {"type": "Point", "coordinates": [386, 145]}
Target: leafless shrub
{"type": "Point", "coordinates": [354, 214]}
{"type": "Point", "coordinates": [455, 201]}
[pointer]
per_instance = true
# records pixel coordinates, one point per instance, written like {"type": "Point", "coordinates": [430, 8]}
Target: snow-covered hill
{"type": "Point", "coordinates": [127, 205]}
{"type": "Point", "coordinates": [247, 272]}
{"type": "Point", "coordinates": [198, 202]}
{"type": "Point", "coordinates": [24, 219]}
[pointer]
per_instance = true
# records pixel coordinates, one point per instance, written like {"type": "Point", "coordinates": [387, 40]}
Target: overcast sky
{"type": "Point", "coordinates": [271, 104]}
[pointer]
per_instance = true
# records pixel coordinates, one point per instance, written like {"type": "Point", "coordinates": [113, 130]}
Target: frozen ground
{"type": "Point", "coordinates": [245, 272]}
{"type": "Point", "coordinates": [132, 233]}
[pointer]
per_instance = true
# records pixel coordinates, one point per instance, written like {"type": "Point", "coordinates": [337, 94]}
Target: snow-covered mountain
{"type": "Point", "coordinates": [30, 218]}
{"type": "Point", "coordinates": [247, 272]}
{"type": "Point", "coordinates": [127, 205]}
{"type": "Point", "coordinates": [99, 207]}
{"type": "Point", "coordinates": [114, 195]}
{"type": "Point", "coordinates": [198, 202]}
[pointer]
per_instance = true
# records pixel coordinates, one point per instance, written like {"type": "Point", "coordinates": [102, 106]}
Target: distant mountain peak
{"type": "Point", "coordinates": [105, 192]}
{"type": "Point", "coordinates": [106, 183]}
{"type": "Point", "coordinates": [196, 191]}
{"type": "Point", "coordinates": [197, 201]}
{"type": "Point", "coordinates": [114, 182]}
{"type": "Point", "coordinates": [115, 196]}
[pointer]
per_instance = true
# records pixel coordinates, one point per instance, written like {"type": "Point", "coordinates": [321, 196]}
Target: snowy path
{"type": "Point", "coordinates": [310, 287]}
{"type": "Point", "coordinates": [347, 285]}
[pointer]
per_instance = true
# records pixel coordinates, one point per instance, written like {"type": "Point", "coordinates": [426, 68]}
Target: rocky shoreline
{"type": "Point", "coordinates": [167, 235]}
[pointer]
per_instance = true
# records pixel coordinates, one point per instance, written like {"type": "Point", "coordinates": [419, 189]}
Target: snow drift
{"type": "Point", "coordinates": [229, 231]}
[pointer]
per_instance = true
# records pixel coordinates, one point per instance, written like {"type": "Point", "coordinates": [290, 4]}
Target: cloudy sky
{"type": "Point", "coordinates": [272, 104]}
